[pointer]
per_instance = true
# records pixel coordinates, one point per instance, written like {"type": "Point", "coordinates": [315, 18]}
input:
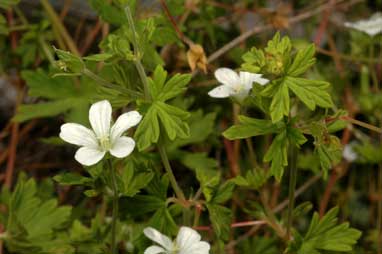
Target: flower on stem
{"type": "Point", "coordinates": [348, 153]}
{"type": "Point", "coordinates": [234, 85]}
{"type": "Point", "coordinates": [371, 26]}
{"type": "Point", "coordinates": [186, 242]}
{"type": "Point", "coordinates": [102, 138]}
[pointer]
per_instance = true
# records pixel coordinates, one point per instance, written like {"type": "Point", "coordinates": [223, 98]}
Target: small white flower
{"type": "Point", "coordinates": [371, 26]}
{"type": "Point", "coordinates": [187, 242]}
{"type": "Point", "coordinates": [348, 153]}
{"type": "Point", "coordinates": [95, 143]}
{"type": "Point", "coordinates": [237, 86]}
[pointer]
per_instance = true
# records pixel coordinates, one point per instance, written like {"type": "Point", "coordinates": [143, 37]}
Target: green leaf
{"type": "Point", "coordinates": [108, 12]}
{"type": "Point", "coordinates": [208, 180]}
{"type": "Point", "coordinates": [311, 92]}
{"type": "Point", "coordinates": [197, 160]}
{"type": "Point", "coordinates": [46, 109]}
{"type": "Point", "coordinates": [163, 221]}
{"type": "Point", "coordinates": [277, 154]}
{"type": "Point", "coordinates": [303, 60]}
{"type": "Point", "coordinates": [250, 127]}
{"type": "Point", "coordinates": [257, 178]}
{"type": "Point", "coordinates": [72, 179]}
{"type": "Point", "coordinates": [163, 91]}
{"type": "Point", "coordinates": [280, 103]}
{"type": "Point", "coordinates": [201, 126]}
{"type": "Point", "coordinates": [221, 218]}
{"type": "Point", "coordinates": [98, 57]}
{"type": "Point", "coordinates": [6, 4]}
{"type": "Point", "coordinates": [32, 222]}
{"type": "Point", "coordinates": [325, 235]}
{"type": "Point", "coordinates": [173, 120]}
{"type": "Point", "coordinates": [223, 193]}
{"type": "Point", "coordinates": [148, 130]}
{"type": "Point", "coordinates": [133, 180]}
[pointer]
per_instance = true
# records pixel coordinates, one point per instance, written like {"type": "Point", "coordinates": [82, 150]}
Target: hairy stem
{"type": "Point", "coordinates": [138, 55]}
{"type": "Point", "coordinates": [166, 163]}
{"type": "Point", "coordinates": [142, 74]}
{"type": "Point", "coordinates": [115, 208]}
{"type": "Point", "coordinates": [292, 187]}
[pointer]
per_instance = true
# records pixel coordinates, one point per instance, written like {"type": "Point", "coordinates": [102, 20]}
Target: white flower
{"type": "Point", "coordinates": [95, 143]}
{"type": "Point", "coordinates": [237, 86]}
{"type": "Point", "coordinates": [348, 153]}
{"type": "Point", "coordinates": [371, 26]}
{"type": "Point", "coordinates": [187, 242]}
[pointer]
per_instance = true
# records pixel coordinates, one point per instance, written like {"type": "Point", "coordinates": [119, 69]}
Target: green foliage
{"type": "Point", "coordinates": [250, 127]}
{"type": "Point", "coordinates": [32, 223]}
{"type": "Point", "coordinates": [254, 179]}
{"type": "Point", "coordinates": [325, 235]}
{"type": "Point", "coordinates": [161, 116]}
{"type": "Point", "coordinates": [6, 4]}
{"type": "Point", "coordinates": [275, 60]}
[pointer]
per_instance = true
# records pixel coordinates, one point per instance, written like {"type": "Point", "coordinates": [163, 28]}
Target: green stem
{"type": "Point", "coordinates": [59, 27]}
{"type": "Point", "coordinates": [292, 187]}
{"type": "Point", "coordinates": [106, 83]}
{"type": "Point", "coordinates": [147, 97]}
{"type": "Point", "coordinates": [115, 208]}
{"type": "Point", "coordinates": [372, 67]}
{"type": "Point", "coordinates": [137, 54]}
{"type": "Point", "coordinates": [178, 191]}
{"type": "Point", "coordinates": [46, 50]}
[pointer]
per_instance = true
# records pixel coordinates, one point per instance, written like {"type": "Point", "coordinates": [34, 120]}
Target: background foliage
{"type": "Point", "coordinates": [234, 162]}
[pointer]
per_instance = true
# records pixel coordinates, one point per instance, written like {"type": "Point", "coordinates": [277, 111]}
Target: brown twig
{"type": "Point", "coordinates": [65, 9]}
{"type": "Point", "coordinates": [258, 29]}
{"type": "Point", "coordinates": [91, 37]}
{"type": "Point", "coordinates": [181, 35]}
{"type": "Point", "coordinates": [13, 143]}
{"type": "Point", "coordinates": [324, 23]}
{"type": "Point", "coordinates": [236, 225]}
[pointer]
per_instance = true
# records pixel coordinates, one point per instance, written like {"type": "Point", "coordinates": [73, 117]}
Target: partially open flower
{"type": "Point", "coordinates": [371, 26]}
{"type": "Point", "coordinates": [187, 242]}
{"type": "Point", "coordinates": [103, 138]}
{"type": "Point", "coordinates": [234, 85]}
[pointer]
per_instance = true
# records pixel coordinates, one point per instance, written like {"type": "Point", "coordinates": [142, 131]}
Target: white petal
{"type": "Point", "coordinates": [221, 91]}
{"type": "Point", "coordinates": [349, 154]}
{"type": "Point", "coordinates": [122, 147]}
{"type": "Point", "coordinates": [186, 238]}
{"type": "Point", "coordinates": [197, 248]}
{"type": "Point", "coordinates": [247, 78]}
{"type": "Point", "coordinates": [88, 156]}
{"type": "Point", "coordinates": [100, 117]}
{"type": "Point", "coordinates": [78, 135]}
{"type": "Point", "coordinates": [123, 123]}
{"type": "Point", "coordinates": [227, 77]}
{"type": "Point", "coordinates": [261, 81]}
{"type": "Point", "coordinates": [158, 237]}
{"type": "Point", "coordinates": [154, 250]}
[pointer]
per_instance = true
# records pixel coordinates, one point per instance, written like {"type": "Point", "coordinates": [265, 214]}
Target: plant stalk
{"type": "Point", "coordinates": [142, 74]}
{"type": "Point", "coordinates": [59, 27]}
{"type": "Point", "coordinates": [115, 208]}
{"type": "Point", "coordinates": [166, 163]}
{"type": "Point", "coordinates": [292, 187]}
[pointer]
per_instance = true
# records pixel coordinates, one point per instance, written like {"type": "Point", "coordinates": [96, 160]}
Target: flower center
{"type": "Point", "coordinates": [105, 143]}
{"type": "Point", "coordinates": [238, 88]}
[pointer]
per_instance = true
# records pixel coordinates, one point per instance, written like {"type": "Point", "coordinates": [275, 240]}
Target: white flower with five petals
{"type": "Point", "coordinates": [234, 85]}
{"type": "Point", "coordinates": [102, 138]}
{"type": "Point", "coordinates": [371, 26]}
{"type": "Point", "coordinates": [186, 242]}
